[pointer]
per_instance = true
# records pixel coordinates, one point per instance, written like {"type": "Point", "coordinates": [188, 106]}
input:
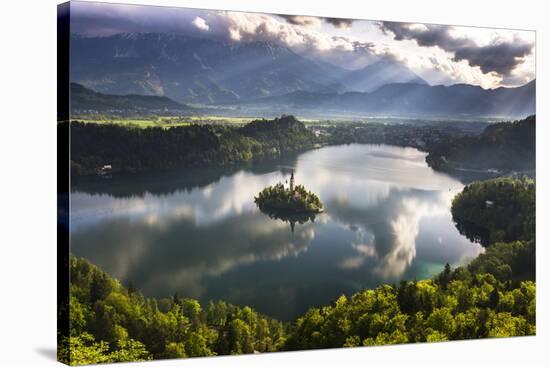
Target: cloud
{"type": "Point", "coordinates": [340, 22]}
{"type": "Point", "coordinates": [485, 57]}
{"type": "Point", "coordinates": [357, 56]}
{"type": "Point", "coordinates": [263, 27]}
{"type": "Point", "coordinates": [200, 23]}
{"type": "Point", "coordinates": [500, 56]}
{"type": "Point", "coordinates": [310, 21]}
{"type": "Point", "coordinates": [154, 256]}
{"type": "Point", "coordinates": [302, 20]}
{"type": "Point", "coordinates": [300, 32]}
{"type": "Point", "coordinates": [425, 35]}
{"type": "Point", "coordinates": [180, 243]}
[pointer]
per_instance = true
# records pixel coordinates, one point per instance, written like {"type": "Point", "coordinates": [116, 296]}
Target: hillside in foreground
{"type": "Point", "coordinates": [493, 296]}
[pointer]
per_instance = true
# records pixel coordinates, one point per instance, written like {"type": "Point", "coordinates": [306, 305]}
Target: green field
{"type": "Point", "coordinates": [167, 121]}
{"type": "Point", "coordinates": [162, 121]}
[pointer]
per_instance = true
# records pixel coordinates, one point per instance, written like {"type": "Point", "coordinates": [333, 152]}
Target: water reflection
{"type": "Point", "coordinates": [199, 233]}
{"type": "Point", "coordinates": [291, 218]}
{"type": "Point", "coordinates": [178, 254]}
{"type": "Point", "coordinates": [473, 231]}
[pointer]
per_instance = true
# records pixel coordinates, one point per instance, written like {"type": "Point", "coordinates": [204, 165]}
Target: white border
{"type": "Point", "coordinates": [28, 204]}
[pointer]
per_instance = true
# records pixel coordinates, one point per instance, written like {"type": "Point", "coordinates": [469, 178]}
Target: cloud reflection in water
{"type": "Point", "coordinates": [387, 214]}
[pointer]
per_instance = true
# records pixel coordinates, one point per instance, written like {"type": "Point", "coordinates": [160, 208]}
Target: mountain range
{"type": "Point", "coordinates": [268, 76]}
{"type": "Point", "coordinates": [413, 98]}
{"type": "Point", "coordinates": [190, 69]}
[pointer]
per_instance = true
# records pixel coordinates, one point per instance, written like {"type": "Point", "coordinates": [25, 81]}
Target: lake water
{"type": "Point", "coordinates": [199, 233]}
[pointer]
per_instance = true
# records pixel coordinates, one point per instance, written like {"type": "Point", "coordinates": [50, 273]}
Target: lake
{"type": "Point", "coordinates": [199, 233]}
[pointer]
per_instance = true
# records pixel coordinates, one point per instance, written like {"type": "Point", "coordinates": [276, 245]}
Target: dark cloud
{"type": "Point", "coordinates": [357, 45]}
{"type": "Point", "coordinates": [432, 35]}
{"type": "Point", "coordinates": [304, 20]}
{"type": "Point", "coordinates": [300, 20]}
{"type": "Point", "coordinates": [366, 45]}
{"type": "Point", "coordinates": [501, 57]}
{"type": "Point", "coordinates": [340, 22]}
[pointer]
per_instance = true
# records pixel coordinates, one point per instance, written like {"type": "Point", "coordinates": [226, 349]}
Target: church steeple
{"type": "Point", "coordinates": [292, 181]}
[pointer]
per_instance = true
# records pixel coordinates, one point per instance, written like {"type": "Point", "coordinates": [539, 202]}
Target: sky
{"type": "Point", "coordinates": [440, 54]}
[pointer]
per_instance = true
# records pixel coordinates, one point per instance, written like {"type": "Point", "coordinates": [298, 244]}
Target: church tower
{"type": "Point", "coordinates": [292, 181]}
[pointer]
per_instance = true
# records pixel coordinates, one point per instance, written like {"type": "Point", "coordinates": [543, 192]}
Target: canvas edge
{"type": "Point", "coordinates": [63, 180]}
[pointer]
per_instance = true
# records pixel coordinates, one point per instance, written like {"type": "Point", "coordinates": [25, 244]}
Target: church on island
{"type": "Point", "coordinates": [294, 199]}
{"type": "Point", "coordinates": [295, 194]}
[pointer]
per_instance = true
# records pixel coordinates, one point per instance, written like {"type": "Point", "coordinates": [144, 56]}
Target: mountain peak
{"type": "Point", "coordinates": [379, 73]}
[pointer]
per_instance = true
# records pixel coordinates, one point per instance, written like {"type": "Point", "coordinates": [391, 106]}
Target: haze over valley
{"type": "Point", "coordinates": [266, 65]}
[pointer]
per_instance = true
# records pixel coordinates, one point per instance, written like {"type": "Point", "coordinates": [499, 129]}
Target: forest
{"type": "Point", "coordinates": [497, 210]}
{"type": "Point", "coordinates": [113, 323]}
{"type": "Point", "coordinates": [505, 146]}
{"type": "Point", "coordinates": [132, 150]}
{"type": "Point", "coordinates": [493, 296]}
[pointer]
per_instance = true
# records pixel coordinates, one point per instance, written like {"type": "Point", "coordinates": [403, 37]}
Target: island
{"type": "Point", "coordinates": [287, 201]}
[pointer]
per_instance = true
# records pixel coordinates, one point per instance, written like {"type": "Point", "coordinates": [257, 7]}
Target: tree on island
{"type": "Point", "coordinates": [294, 199]}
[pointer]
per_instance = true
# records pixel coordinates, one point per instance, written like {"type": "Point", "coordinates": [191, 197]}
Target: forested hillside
{"type": "Point", "coordinates": [493, 296]}
{"type": "Point", "coordinates": [505, 146]}
{"type": "Point", "coordinates": [467, 303]}
{"type": "Point", "coordinates": [131, 150]}
{"type": "Point", "coordinates": [496, 210]}
{"type": "Point", "coordinates": [112, 323]}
